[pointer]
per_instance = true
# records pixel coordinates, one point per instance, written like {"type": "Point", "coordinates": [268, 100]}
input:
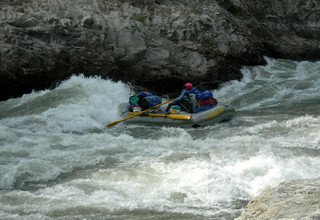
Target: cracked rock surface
{"type": "Point", "coordinates": [159, 44]}
{"type": "Point", "coordinates": [293, 200]}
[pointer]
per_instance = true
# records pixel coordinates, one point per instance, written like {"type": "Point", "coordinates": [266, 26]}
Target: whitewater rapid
{"type": "Point", "coordinates": [58, 161]}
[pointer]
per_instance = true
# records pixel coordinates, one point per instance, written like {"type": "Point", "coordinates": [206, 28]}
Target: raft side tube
{"type": "Point", "coordinates": [220, 113]}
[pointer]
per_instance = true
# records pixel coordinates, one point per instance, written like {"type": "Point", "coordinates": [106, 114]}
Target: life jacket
{"type": "Point", "coordinates": [137, 101]}
{"type": "Point", "coordinates": [149, 102]}
{"type": "Point", "coordinates": [189, 95]}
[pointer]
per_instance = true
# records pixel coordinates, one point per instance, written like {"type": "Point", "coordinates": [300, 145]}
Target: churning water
{"type": "Point", "coordinates": [57, 161]}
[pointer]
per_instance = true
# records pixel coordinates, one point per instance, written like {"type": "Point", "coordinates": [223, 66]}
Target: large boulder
{"type": "Point", "coordinates": [159, 44]}
{"type": "Point", "coordinates": [293, 200]}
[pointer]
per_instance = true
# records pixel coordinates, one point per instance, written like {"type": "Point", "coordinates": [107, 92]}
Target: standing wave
{"type": "Point", "coordinates": [281, 83]}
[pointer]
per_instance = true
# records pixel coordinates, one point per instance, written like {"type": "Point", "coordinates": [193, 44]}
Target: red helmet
{"type": "Point", "coordinates": [188, 86]}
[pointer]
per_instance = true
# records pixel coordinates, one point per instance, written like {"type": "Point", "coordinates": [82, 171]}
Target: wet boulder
{"type": "Point", "coordinates": [293, 200]}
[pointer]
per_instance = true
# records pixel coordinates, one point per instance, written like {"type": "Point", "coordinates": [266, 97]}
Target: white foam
{"type": "Point", "coordinates": [279, 82]}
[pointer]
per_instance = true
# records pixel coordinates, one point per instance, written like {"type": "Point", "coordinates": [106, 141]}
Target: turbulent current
{"type": "Point", "coordinates": [57, 161]}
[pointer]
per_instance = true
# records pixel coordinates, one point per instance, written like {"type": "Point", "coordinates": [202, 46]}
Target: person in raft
{"type": "Point", "coordinates": [143, 101]}
{"type": "Point", "coordinates": [186, 100]}
{"type": "Point", "coordinates": [193, 100]}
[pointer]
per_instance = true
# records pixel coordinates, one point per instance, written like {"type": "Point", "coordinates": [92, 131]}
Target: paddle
{"type": "Point", "coordinates": [132, 116]}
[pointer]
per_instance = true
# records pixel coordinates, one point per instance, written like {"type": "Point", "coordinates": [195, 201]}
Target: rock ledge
{"type": "Point", "coordinates": [293, 200]}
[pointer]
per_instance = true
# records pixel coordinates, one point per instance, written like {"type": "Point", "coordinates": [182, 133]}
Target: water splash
{"type": "Point", "coordinates": [279, 83]}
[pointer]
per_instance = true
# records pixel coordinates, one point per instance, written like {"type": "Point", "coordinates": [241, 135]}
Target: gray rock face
{"type": "Point", "coordinates": [294, 200]}
{"type": "Point", "coordinates": [159, 44]}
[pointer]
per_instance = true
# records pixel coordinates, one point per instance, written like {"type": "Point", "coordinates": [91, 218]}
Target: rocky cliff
{"type": "Point", "coordinates": [158, 44]}
{"type": "Point", "coordinates": [294, 200]}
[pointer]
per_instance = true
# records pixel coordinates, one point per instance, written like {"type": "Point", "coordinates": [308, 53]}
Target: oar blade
{"type": "Point", "coordinates": [132, 116]}
{"type": "Point", "coordinates": [112, 124]}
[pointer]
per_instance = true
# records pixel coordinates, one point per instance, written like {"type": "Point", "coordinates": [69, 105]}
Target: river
{"type": "Point", "coordinates": [57, 161]}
